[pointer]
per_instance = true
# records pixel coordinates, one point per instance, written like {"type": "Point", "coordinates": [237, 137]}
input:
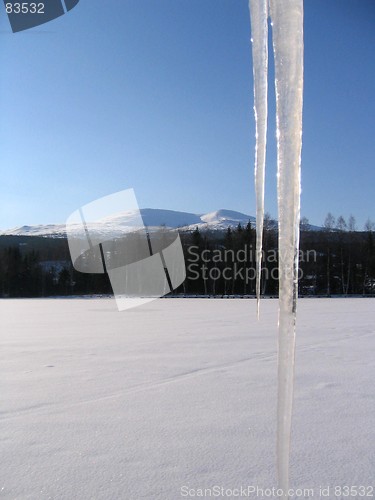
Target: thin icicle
{"type": "Point", "coordinates": [259, 33]}
{"type": "Point", "coordinates": [287, 32]}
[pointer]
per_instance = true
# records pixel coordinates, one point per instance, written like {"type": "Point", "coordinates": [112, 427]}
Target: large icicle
{"type": "Point", "coordinates": [287, 33]}
{"type": "Point", "coordinates": [259, 33]}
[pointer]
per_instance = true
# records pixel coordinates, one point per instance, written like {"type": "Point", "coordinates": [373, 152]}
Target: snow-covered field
{"type": "Point", "coordinates": [97, 404]}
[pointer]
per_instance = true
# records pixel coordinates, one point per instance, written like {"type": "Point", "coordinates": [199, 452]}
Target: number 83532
{"type": "Point", "coordinates": [24, 8]}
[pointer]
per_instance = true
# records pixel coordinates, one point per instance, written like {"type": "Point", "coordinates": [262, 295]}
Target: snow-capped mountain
{"type": "Point", "coordinates": [152, 218]}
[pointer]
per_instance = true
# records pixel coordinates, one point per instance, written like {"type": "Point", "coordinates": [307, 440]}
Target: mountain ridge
{"type": "Point", "coordinates": [152, 217]}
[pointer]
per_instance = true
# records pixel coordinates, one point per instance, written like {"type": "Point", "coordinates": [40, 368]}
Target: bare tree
{"type": "Point", "coordinates": [352, 226]}
{"type": "Point", "coordinates": [329, 223]}
{"type": "Point", "coordinates": [369, 226]}
{"type": "Point", "coordinates": [304, 224]}
{"type": "Point", "coordinates": [341, 224]}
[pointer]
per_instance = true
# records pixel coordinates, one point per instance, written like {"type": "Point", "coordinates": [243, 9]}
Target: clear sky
{"type": "Point", "coordinates": [157, 95]}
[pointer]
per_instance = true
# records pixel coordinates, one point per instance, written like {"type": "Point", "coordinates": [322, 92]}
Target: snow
{"type": "Point", "coordinates": [135, 405]}
{"type": "Point", "coordinates": [227, 217]}
{"type": "Point", "coordinates": [152, 217]}
{"type": "Point", "coordinates": [118, 223]}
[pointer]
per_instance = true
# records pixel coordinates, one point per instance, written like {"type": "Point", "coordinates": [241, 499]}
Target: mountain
{"type": "Point", "coordinates": [222, 219]}
{"type": "Point", "coordinates": [152, 218]}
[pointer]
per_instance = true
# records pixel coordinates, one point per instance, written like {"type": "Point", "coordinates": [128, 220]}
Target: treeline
{"type": "Point", "coordinates": [333, 261]}
{"type": "Point", "coordinates": [41, 267]}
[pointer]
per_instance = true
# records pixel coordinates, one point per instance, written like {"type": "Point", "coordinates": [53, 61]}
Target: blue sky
{"type": "Point", "coordinates": [157, 95]}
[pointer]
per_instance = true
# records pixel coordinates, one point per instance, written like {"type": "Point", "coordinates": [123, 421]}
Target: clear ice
{"type": "Point", "coordinates": [287, 35]}
{"type": "Point", "coordinates": [259, 31]}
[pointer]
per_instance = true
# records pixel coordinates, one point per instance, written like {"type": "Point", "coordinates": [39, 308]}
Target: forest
{"type": "Point", "coordinates": [334, 261]}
